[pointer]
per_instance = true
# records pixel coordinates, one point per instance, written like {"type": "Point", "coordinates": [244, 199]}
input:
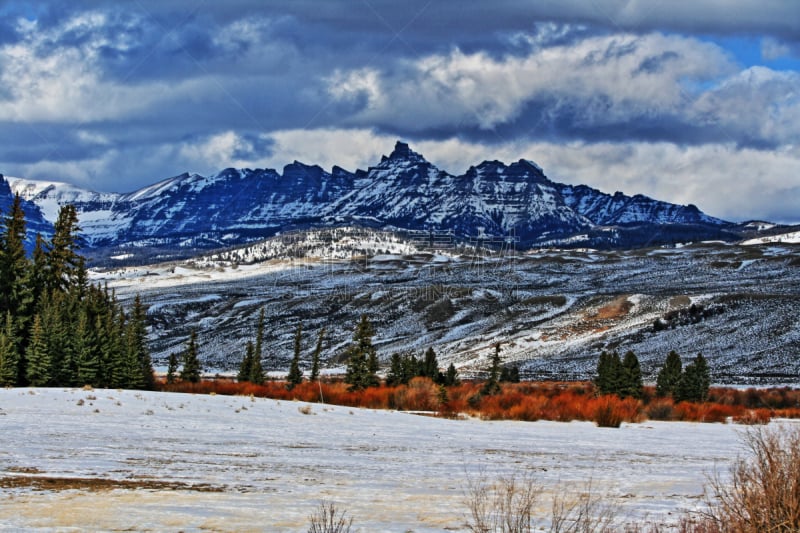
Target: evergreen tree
{"type": "Point", "coordinates": [315, 358]}
{"type": "Point", "coordinates": [451, 378]}
{"type": "Point", "coordinates": [256, 370]}
{"type": "Point", "coordinates": [362, 357]}
{"type": "Point", "coordinates": [191, 363]}
{"type": "Point", "coordinates": [16, 295]}
{"type": "Point", "coordinates": [411, 368]}
{"type": "Point", "coordinates": [430, 366]}
{"type": "Point", "coordinates": [670, 375]}
{"type": "Point", "coordinates": [88, 360]}
{"type": "Point", "coordinates": [172, 367]}
{"type": "Point", "coordinates": [630, 377]}
{"type": "Point", "coordinates": [39, 364]}
{"type": "Point", "coordinates": [492, 385]}
{"type": "Point", "coordinates": [695, 381]}
{"type": "Point", "coordinates": [609, 371]}
{"type": "Point", "coordinates": [295, 376]}
{"type": "Point", "coordinates": [395, 375]}
{"type": "Point", "coordinates": [63, 262]}
{"type": "Point", "coordinates": [246, 366]}
{"type": "Point", "coordinates": [442, 396]}
{"type": "Point", "coordinates": [9, 357]}
{"type": "Point", "coordinates": [39, 268]}
{"type": "Point", "coordinates": [138, 354]}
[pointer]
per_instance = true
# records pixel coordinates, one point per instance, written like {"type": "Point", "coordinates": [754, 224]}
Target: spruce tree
{"type": "Point", "coordinates": [63, 262]}
{"type": "Point", "coordinates": [315, 358]}
{"type": "Point", "coordinates": [295, 376]}
{"type": "Point", "coordinates": [256, 370]}
{"type": "Point", "coordinates": [630, 377]}
{"type": "Point", "coordinates": [430, 366]}
{"type": "Point", "coordinates": [39, 268]}
{"type": "Point", "coordinates": [136, 343]}
{"type": "Point", "coordinates": [16, 295]}
{"type": "Point", "coordinates": [451, 378]}
{"type": "Point", "coordinates": [695, 381]}
{"type": "Point", "coordinates": [172, 367]}
{"type": "Point", "coordinates": [246, 366]}
{"type": "Point", "coordinates": [395, 375]}
{"type": "Point", "coordinates": [670, 375]}
{"type": "Point", "coordinates": [87, 352]}
{"type": "Point", "coordinates": [39, 371]}
{"type": "Point", "coordinates": [411, 369]}
{"type": "Point", "coordinates": [362, 357]}
{"type": "Point", "coordinates": [191, 363]}
{"type": "Point", "coordinates": [492, 385]}
{"type": "Point", "coordinates": [9, 357]}
{"type": "Point", "coordinates": [609, 373]}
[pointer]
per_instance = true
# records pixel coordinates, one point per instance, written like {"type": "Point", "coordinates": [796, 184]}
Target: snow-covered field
{"type": "Point", "coordinates": [192, 463]}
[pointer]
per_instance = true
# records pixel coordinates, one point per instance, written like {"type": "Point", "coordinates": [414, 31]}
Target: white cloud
{"type": "Point", "coordinates": [606, 80]}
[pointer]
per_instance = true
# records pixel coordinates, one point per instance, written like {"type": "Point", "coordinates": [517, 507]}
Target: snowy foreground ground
{"type": "Point", "coordinates": [192, 463]}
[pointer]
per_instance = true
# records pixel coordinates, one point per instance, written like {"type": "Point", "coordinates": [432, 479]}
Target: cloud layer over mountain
{"type": "Point", "coordinates": [693, 102]}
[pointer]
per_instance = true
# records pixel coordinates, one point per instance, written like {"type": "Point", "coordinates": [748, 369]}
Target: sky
{"type": "Point", "coordinates": [688, 101]}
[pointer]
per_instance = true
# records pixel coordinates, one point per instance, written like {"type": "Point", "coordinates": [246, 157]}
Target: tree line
{"type": "Point", "coordinates": [57, 329]}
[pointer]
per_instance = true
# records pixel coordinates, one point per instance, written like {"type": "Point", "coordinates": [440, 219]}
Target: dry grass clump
{"type": "Point", "coordinates": [763, 492]}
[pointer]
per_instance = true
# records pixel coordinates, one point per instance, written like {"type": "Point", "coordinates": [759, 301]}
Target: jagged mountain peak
{"type": "Point", "coordinates": [403, 191]}
{"type": "Point", "coordinates": [403, 153]}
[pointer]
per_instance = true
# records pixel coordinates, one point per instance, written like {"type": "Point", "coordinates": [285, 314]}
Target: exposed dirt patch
{"type": "Point", "coordinates": [97, 484]}
{"type": "Point", "coordinates": [617, 308]}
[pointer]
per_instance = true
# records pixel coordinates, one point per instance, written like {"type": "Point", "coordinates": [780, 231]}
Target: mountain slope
{"type": "Point", "coordinates": [35, 219]}
{"type": "Point", "coordinates": [404, 191]}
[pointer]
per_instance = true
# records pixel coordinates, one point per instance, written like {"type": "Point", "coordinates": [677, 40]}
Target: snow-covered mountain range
{"type": "Point", "coordinates": [403, 191]}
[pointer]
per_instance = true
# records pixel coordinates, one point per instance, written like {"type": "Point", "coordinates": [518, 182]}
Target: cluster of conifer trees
{"type": "Point", "coordinates": [684, 384]}
{"type": "Point", "coordinates": [251, 369]}
{"type": "Point", "coordinates": [622, 377]}
{"type": "Point", "coordinates": [57, 328]}
{"type": "Point", "coordinates": [403, 368]}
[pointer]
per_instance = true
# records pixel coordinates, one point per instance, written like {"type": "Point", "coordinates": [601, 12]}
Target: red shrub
{"type": "Point", "coordinates": [530, 409]}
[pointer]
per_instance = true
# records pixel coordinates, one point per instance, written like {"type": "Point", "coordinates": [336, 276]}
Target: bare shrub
{"type": "Point", "coordinates": [763, 492]}
{"type": "Point", "coordinates": [584, 511]}
{"type": "Point", "coordinates": [326, 519]}
{"type": "Point", "coordinates": [505, 506]}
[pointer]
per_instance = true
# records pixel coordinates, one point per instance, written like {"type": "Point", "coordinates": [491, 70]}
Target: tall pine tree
{"type": "Point", "coordinates": [39, 372]}
{"type": "Point", "coordinates": [9, 356]}
{"type": "Point", "coordinates": [295, 376]}
{"type": "Point", "coordinates": [670, 375]}
{"type": "Point", "coordinates": [246, 366]}
{"type": "Point", "coordinates": [362, 357]}
{"type": "Point", "coordinates": [630, 377]}
{"type": "Point", "coordinates": [609, 373]}
{"type": "Point", "coordinates": [191, 363]}
{"type": "Point", "coordinates": [492, 385]}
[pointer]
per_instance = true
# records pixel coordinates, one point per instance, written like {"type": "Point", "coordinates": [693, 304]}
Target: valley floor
{"type": "Point", "coordinates": [73, 459]}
